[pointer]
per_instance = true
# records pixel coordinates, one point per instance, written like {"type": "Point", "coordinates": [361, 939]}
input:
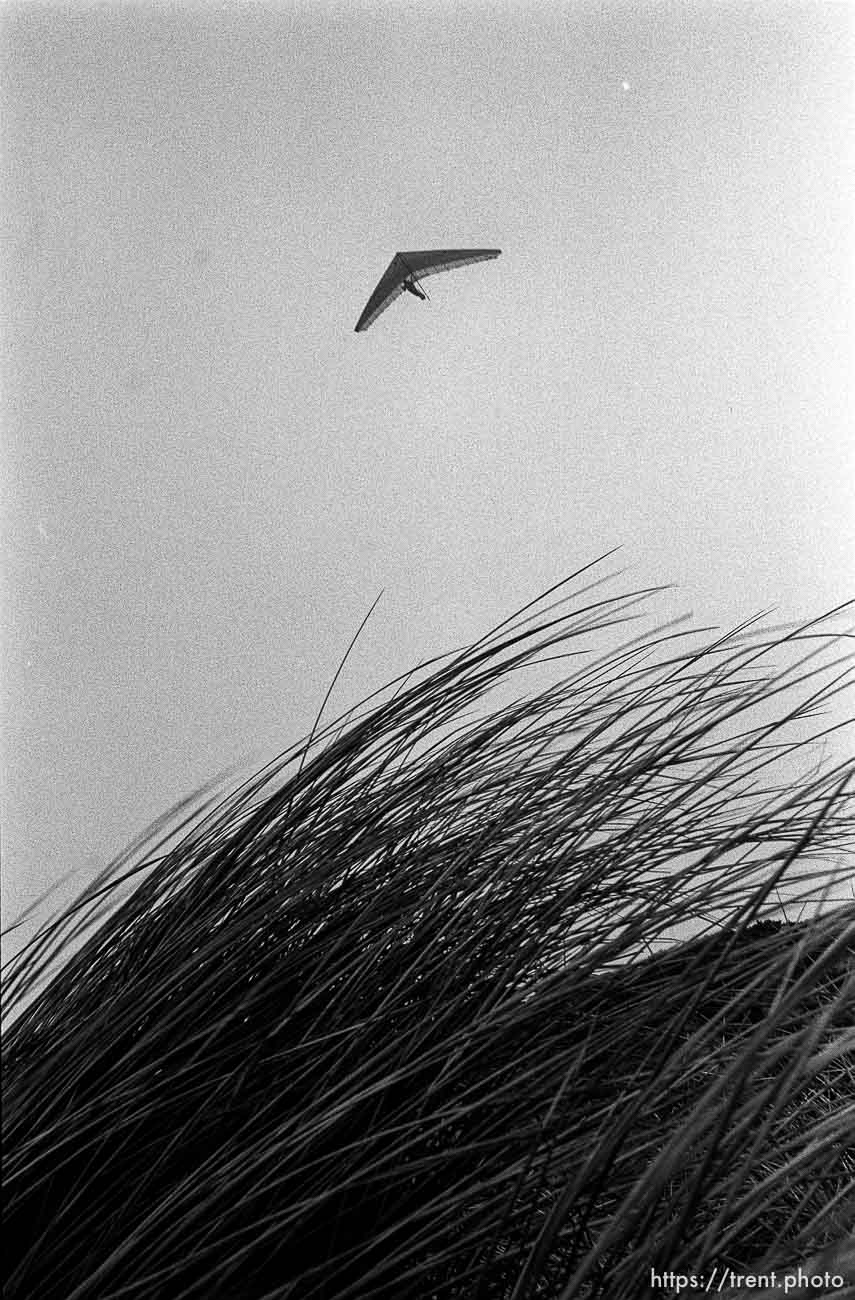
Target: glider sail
{"type": "Point", "coordinates": [406, 269]}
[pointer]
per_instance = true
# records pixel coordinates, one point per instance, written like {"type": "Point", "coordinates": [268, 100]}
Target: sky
{"type": "Point", "coordinates": [209, 477]}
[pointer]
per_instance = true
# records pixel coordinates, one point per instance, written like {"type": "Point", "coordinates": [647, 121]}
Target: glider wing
{"type": "Point", "coordinates": [404, 266]}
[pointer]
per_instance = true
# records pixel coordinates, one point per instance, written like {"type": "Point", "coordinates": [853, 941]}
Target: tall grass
{"type": "Point", "coordinates": [479, 991]}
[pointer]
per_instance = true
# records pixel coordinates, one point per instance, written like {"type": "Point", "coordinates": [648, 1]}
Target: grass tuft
{"type": "Point", "coordinates": [481, 991]}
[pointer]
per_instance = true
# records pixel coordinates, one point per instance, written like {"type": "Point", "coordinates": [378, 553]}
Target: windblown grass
{"type": "Point", "coordinates": [395, 1019]}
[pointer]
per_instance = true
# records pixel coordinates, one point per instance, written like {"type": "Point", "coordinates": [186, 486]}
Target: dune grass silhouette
{"type": "Point", "coordinates": [481, 990]}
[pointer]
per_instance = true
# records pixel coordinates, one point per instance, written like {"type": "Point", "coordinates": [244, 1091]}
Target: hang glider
{"type": "Point", "coordinates": [406, 270]}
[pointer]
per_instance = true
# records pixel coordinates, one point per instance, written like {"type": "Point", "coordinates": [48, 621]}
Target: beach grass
{"type": "Point", "coordinates": [530, 977]}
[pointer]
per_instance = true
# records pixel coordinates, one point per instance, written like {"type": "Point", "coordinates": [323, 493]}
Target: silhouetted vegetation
{"type": "Point", "coordinates": [462, 998]}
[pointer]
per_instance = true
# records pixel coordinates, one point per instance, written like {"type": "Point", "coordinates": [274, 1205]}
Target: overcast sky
{"type": "Point", "coordinates": [209, 476]}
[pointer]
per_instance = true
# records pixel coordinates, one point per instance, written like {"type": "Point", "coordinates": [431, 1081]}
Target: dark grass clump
{"type": "Point", "coordinates": [463, 997]}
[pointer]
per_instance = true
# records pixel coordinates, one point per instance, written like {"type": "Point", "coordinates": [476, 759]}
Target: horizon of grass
{"type": "Point", "coordinates": [390, 1019]}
